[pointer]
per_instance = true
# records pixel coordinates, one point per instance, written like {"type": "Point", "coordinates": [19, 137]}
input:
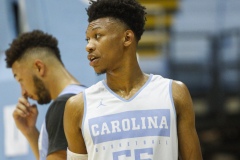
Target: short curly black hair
{"type": "Point", "coordinates": [30, 40]}
{"type": "Point", "coordinates": [131, 12]}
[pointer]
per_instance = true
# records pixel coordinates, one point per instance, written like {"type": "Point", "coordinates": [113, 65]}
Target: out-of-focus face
{"type": "Point", "coordinates": [41, 91]}
{"type": "Point", "coordinates": [105, 38]}
{"type": "Point", "coordinates": [31, 86]}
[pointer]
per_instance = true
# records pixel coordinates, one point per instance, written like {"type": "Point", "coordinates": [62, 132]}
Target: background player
{"type": "Point", "coordinates": [36, 64]}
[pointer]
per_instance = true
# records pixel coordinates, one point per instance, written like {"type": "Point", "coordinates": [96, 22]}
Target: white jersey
{"type": "Point", "coordinates": [141, 128]}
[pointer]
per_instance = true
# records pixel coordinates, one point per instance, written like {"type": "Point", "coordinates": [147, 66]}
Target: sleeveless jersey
{"type": "Point", "coordinates": [143, 127]}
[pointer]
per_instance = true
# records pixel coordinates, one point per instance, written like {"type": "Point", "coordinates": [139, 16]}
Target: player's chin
{"type": "Point", "coordinates": [44, 100]}
{"type": "Point", "coordinates": [100, 72]}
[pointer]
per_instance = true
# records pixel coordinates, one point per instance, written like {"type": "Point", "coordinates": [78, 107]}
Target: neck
{"type": "Point", "coordinates": [126, 83]}
{"type": "Point", "coordinates": [58, 80]}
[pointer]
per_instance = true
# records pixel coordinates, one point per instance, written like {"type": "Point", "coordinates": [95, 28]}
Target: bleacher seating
{"type": "Point", "coordinates": [190, 54]}
{"type": "Point", "coordinates": [196, 27]}
{"type": "Point", "coordinates": [230, 13]}
{"type": "Point", "coordinates": [205, 54]}
{"type": "Point", "coordinates": [229, 62]}
{"type": "Point", "coordinates": [190, 62]}
{"type": "Point", "coordinates": [153, 45]}
{"type": "Point", "coordinates": [159, 19]}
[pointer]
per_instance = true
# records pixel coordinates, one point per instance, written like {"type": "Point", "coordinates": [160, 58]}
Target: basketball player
{"type": "Point", "coordinates": [131, 114]}
{"type": "Point", "coordinates": [36, 64]}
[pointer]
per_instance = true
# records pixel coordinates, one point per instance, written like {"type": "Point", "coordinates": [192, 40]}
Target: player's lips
{"type": "Point", "coordinates": [93, 60]}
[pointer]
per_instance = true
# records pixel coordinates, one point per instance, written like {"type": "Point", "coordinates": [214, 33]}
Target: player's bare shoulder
{"type": "Point", "coordinates": [181, 95]}
{"type": "Point", "coordinates": [75, 100]}
{"type": "Point", "coordinates": [178, 88]}
{"type": "Point", "coordinates": [75, 105]}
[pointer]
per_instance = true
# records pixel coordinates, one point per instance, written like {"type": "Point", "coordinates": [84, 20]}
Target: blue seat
{"type": "Point", "coordinates": [190, 56]}
{"type": "Point", "coordinates": [229, 63]}
{"type": "Point", "coordinates": [190, 62]}
{"type": "Point", "coordinates": [231, 13]}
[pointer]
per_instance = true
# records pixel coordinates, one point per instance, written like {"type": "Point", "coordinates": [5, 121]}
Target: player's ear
{"type": "Point", "coordinates": [128, 37]}
{"type": "Point", "coordinates": [39, 67]}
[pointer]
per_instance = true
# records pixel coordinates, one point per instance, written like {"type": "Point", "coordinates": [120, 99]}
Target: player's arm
{"type": "Point", "coordinates": [59, 155]}
{"type": "Point", "coordinates": [32, 138]}
{"type": "Point", "coordinates": [25, 117]}
{"type": "Point", "coordinates": [72, 127]}
{"type": "Point", "coordinates": [189, 145]}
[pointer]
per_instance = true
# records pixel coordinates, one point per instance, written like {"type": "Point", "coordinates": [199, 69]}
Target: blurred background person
{"type": "Point", "coordinates": [36, 64]}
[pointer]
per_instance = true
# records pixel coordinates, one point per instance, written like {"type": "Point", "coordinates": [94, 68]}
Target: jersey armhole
{"type": "Point", "coordinates": [171, 97]}
{"type": "Point", "coordinates": [84, 113]}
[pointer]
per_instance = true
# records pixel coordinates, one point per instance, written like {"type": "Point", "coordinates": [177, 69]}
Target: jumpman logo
{"type": "Point", "coordinates": [101, 104]}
